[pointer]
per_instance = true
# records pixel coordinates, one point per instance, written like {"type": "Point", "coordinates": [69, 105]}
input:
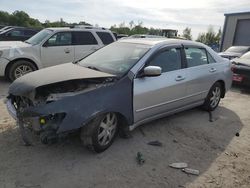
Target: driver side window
{"type": "Point", "coordinates": [168, 60]}
{"type": "Point", "coordinates": [60, 39]}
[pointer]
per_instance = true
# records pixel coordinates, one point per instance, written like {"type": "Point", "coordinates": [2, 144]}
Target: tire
{"type": "Point", "coordinates": [213, 98]}
{"type": "Point", "coordinates": [20, 68]}
{"type": "Point", "coordinates": [99, 134]}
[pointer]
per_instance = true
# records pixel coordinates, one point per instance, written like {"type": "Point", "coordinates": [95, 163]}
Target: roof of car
{"type": "Point", "coordinates": [76, 29]}
{"type": "Point", "coordinates": [155, 41]}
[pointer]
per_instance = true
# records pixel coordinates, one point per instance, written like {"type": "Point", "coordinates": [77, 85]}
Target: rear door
{"type": "Point", "coordinates": [202, 72]}
{"type": "Point", "coordinates": [84, 43]}
{"type": "Point", "coordinates": [57, 49]}
{"type": "Point", "coordinates": [157, 95]}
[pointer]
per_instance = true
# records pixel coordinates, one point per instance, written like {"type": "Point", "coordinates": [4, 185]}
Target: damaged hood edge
{"type": "Point", "coordinates": [26, 84]}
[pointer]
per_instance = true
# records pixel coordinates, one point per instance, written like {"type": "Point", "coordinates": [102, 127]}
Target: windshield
{"type": "Point", "coordinates": [246, 56]}
{"type": "Point", "coordinates": [116, 58]}
{"type": "Point", "coordinates": [237, 49]}
{"type": "Point", "coordinates": [39, 37]}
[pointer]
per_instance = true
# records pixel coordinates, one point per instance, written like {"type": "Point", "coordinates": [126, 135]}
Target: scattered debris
{"type": "Point", "coordinates": [181, 186]}
{"type": "Point", "coordinates": [191, 171]}
{"type": "Point", "coordinates": [179, 165]}
{"type": "Point", "coordinates": [175, 141]}
{"type": "Point", "coordinates": [140, 159]}
{"type": "Point", "coordinates": [235, 155]}
{"type": "Point", "coordinates": [237, 134]}
{"type": "Point", "coordinates": [155, 143]}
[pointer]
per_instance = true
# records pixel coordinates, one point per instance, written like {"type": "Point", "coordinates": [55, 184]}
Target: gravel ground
{"type": "Point", "coordinates": [222, 158]}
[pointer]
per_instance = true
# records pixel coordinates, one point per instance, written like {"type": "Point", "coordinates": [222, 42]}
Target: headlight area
{"type": "Point", "coordinates": [50, 122]}
{"type": "Point", "coordinates": [45, 126]}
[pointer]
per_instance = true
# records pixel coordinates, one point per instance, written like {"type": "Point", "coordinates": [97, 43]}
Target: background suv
{"type": "Point", "coordinates": [49, 47]}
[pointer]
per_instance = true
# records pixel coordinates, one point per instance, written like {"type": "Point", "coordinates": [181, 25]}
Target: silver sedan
{"type": "Point", "coordinates": [119, 87]}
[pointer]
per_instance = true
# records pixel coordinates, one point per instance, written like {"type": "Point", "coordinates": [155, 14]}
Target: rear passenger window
{"type": "Point", "coordinates": [210, 58]}
{"type": "Point", "coordinates": [196, 56]}
{"type": "Point", "coordinates": [105, 37]}
{"type": "Point", "coordinates": [168, 60]}
{"type": "Point", "coordinates": [84, 38]}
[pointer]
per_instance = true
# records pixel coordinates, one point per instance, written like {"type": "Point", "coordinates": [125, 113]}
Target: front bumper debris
{"type": "Point", "coordinates": [11, 109]}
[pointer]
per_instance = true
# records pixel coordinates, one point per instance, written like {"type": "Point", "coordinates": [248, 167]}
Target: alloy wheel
{"type": "Point", "coordinates": [214, 100]}
{"type": "Point", "coordinates": [22, 70]}
{"type": "Point", "coordinates": [107, 129]}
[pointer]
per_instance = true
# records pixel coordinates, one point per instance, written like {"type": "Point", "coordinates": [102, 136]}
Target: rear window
{"type": "Point", "coordinates": [105, 37]}
{"type": "Point", "coordinates": [29, 32]}
{"type": "Point", "coordinates": [84, 38]}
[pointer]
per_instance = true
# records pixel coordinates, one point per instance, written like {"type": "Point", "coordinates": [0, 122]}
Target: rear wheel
{"type": "Point", "coordinates": [213, 97]}
{"type": "Point", "coordinates": [20, 68]}
{"type": "Point", "coordinates": [100, 133]}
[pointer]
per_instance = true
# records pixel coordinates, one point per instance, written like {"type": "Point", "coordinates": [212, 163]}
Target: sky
{"type": "Point", "coordinates": [163, 14]}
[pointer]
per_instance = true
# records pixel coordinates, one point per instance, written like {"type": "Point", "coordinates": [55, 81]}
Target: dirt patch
{"type": "Point", "coordinates": [222, 158]}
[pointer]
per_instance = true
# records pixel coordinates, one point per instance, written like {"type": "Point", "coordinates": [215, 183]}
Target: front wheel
{"type": "Point", "coordinates": [100, 133]}
{"type": "Point", "coordinates": [20, 68]}
{"type": "Point", "coordinates": [213, 97]}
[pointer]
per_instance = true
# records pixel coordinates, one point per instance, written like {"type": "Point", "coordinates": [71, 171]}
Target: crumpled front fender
{"type": "Point", "coordinates": [83, 107]}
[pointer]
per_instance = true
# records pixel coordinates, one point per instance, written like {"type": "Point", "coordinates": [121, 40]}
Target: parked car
{"type": "Point", "coordinates": [121, 86]}
{"type": "Point", "coordinates": [119, 36]}
{"type": "Point", "coordinates": [49, 47]}
{"type": "Point", "coordinates": [17, 34]}
{"type": "Point", "coordinates": [1, 26]}
{"type": "Point", "coordinates": [5, 28]}
{"type": "Point", "coordinates": [145, 36]}
{"type": "Point", "coordinates": [234, 51]}
{"type": "Point", "coordinates": [241, 70]}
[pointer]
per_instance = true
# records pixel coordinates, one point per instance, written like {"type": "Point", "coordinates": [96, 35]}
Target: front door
{"type": "Point", "coordinates": [57, 50]}
{"type": "Point", "coordinates": [157, 95]}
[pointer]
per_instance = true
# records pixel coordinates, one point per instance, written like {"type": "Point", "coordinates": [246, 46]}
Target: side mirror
{"type": "Point", "coordinates": [152, 71]}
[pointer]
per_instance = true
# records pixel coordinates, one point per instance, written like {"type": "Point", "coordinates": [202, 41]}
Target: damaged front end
{"type": "Point", "coordinates": [52, 110]}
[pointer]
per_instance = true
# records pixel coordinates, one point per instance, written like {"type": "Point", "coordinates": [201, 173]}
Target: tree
{"type": "Point", "coordinates": [210, 37]}
{"type": "Point", "coordinates": [187, 33]}
{"type": "Point", "coordinates": [21, 18]}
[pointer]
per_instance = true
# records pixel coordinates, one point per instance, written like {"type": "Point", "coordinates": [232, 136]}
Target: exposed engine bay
{"type": "Point", "coordinates": [56, 91]}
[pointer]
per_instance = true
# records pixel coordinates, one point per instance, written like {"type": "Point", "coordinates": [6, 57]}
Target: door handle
{"type": "Point", "coordinates": [67, 50]}
{"type": "Point", "coordinates": [212, 70]}
{"type": "Point", "coordinates": [179, 78]}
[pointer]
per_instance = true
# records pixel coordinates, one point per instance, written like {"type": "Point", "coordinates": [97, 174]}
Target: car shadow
{"type": "Point", "coordinates": [186, 137]}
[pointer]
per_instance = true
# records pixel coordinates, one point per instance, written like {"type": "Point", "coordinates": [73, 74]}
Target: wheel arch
{"type": "Point", "coordinates": [15, 60]}
{"type": "Point", "coordinates": [121, 117]}
{"type": "Point", "coordinates": [222, 83]}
